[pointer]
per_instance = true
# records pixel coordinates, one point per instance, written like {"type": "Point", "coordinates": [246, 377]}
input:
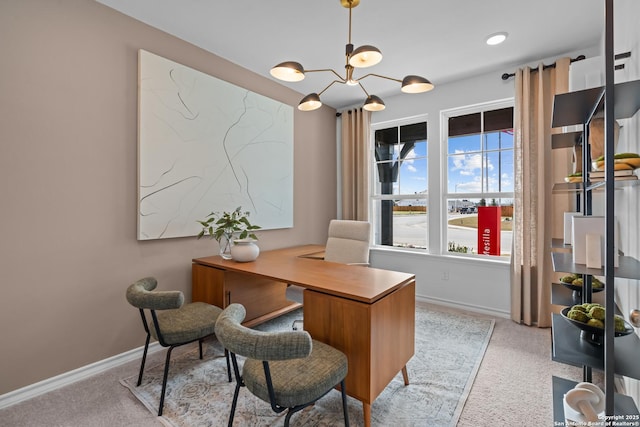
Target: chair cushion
{"type": "Point", "coordinates": [188, 323]}
{"type": "Point", "coordinates": [348, 242]}
{"type": "Point", "coordinates": [346, 251]}
{"type": "Point", "coordinates": [298, 381]}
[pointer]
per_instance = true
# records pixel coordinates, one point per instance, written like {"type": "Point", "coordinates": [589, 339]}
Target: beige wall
{"type": "Point", "coordinates": [68, 126]}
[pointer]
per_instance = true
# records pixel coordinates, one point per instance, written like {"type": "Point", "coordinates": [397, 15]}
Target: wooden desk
{"type": "Point", "coordinates": [367, 313]}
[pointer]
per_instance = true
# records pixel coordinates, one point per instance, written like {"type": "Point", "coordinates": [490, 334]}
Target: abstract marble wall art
{"type": "Point", "coordinates": [206, 145]}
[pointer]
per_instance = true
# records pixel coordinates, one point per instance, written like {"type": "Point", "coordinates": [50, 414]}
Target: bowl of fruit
{"type": "Point", "coordinates": [589, 318]}
{"type": "Point", "coordinates": [575, 282]}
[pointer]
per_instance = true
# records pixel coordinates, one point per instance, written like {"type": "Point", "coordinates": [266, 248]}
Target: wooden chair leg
{"type": "Point", "coordinates": [366, 411]}
{"type": "Point", "coordinates": [405, 375]}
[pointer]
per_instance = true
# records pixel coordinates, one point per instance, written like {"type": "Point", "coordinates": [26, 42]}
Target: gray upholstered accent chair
{"type": "Point", "coordinates": [173, 323]}
{"type": "Point", "coordinates": [287, 369]}
{"type": "Point", "coordinates": [348, 242]}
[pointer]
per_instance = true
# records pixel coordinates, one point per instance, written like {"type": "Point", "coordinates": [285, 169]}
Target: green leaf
{"type": "Point", "coordinates": [218, 224]}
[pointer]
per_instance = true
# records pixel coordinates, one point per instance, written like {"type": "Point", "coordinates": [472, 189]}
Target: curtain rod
{"type": "Point", "coordinates": [339, 113]}
{"type": "Point", "coordinates": [506, 76]}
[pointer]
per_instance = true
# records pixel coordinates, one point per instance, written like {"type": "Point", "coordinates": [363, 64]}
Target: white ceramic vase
{"type": "Point", "coordinates": [244, 250]}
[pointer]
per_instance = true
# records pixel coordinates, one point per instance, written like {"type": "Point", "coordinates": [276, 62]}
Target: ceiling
{"type": "Point", "coordinates": [442, 40]}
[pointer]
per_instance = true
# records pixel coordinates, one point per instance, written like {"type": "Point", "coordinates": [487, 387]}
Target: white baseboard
{"type": "Point", "coordinates": [70, 377]}
{"type": "Point", "coordinates": [463, 306]}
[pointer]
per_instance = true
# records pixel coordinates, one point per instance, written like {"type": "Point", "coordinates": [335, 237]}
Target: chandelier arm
{"type": "Point", "coordinates": [362, 87]}
{"type": "Point", "coordinates": [330, 84]}
{"type": "Point", "coordinates": [378, 75]}
{"type": "Point", "coordinates": [342, 80]}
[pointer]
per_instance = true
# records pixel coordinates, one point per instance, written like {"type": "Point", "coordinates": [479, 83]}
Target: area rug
{"type": "Point", "coordinates": [448, 352]}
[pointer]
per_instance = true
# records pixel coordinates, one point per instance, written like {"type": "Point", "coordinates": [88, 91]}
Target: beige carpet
{"type": "Point", "coordinates": [449, 350]}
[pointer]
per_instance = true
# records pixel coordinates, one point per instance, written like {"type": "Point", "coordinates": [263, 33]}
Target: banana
{"type": "Point", "coordinates": [573, 179]}
{"type": "Point", "coordinates": [626, 156]}
{"type": "Point", "coordinates": [617, 165]}
{"type": "Point", "coordinates": [620, 156]}
{"type": "Point", "coordinates": [621, 161]}
{"type": "Point", "coordinates": [634, 162]}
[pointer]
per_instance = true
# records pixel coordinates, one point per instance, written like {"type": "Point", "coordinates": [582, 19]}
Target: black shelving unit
{"type": "Point", "coordinates": [616, 355]}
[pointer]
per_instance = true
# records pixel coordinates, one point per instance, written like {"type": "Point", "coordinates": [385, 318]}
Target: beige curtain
{"type": "Point", "coordinates": [355, 164]}
{"type": "Point", "coordinates": [531, 267]}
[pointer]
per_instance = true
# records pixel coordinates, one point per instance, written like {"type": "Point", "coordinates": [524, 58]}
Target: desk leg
{"type": "Point", "coordinates": [366, 410]}
{"type": "Point", "coordinates": [405, 375]}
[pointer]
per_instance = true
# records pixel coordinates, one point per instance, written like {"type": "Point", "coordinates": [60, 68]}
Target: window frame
{"type": "Point", "coordinates": [445, 115]}
{"type": "Point", "coordinates": [373, 178]}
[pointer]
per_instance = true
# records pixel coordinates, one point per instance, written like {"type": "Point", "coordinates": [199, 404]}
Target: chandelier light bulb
{"type": "Point", "coordinates": [416, 84]}
{"type": "Point", "coordinates": [289, 71]}
{"type": "Point", "coordinates": [365, 56]}
{"type": "Point", "coordinates": [373, 103]}
{"type": "Point", "coordinates": [310, 102]}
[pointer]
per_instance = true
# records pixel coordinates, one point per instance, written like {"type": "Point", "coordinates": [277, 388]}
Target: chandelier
{"type": "Point", "coordinates": [362, 57]}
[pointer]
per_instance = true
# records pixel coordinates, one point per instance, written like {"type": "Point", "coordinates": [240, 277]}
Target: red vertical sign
{"type": "Point", "coordinates": [489, 230]}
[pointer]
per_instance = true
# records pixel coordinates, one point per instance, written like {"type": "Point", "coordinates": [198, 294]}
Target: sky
{"type": "Point", "coordinates": [466, 172]}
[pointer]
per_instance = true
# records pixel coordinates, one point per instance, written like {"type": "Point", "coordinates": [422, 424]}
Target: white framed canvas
{"type": "Point", "coordinates": [206, 145]}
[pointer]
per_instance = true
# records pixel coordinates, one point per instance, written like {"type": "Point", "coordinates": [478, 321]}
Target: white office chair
{"type": "Point", "coordinates": [348, 242]}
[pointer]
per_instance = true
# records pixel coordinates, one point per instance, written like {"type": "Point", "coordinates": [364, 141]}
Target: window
{"type": "Point", "coordinates": [479, 179]}
{"type": "Point", "coordinates": [399, 194]}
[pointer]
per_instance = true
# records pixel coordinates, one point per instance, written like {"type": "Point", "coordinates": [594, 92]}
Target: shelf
{"type": "Point", "coordinates": [623, 405]}
{"type": "Point", "coordinates": [563, 187]}
{"type": "Point", "coordinates": [597, 185]}
{"type": "Point", "coordinates": [574, 108]}
{"type": "Point", "coordinates": [557, 245]}
{"type": "Point", "coordinates": [568, 347]}
{"type": "Point", "coordinates": [629, 268]}
{"type": "Point", "coordinates": [561, 295]}
{"type": "Point", "coordinates": [566, 140]}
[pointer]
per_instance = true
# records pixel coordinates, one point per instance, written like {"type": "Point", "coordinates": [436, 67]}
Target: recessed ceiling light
{"type": "Point", "coordinates": [496, 38]}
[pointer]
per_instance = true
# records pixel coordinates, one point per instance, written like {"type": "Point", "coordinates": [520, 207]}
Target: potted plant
{"type": "Point", "coordinates": [224, 226]}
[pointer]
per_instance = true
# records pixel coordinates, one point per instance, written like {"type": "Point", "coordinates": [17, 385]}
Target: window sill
{"type": "Point", "coordinates": [484, 260]}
